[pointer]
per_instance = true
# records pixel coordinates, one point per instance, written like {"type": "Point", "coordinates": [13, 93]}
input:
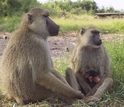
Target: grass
{"type": "Point", "coordinates": [107, 25]}
{"type": "Point", "coordinates": [116, 51]}
{"type": "Point", "coordinates": [71, 23]}
{"type": "Point", "coordinates": [9, 24]}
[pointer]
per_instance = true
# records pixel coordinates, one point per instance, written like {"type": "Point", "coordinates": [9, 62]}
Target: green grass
{"type": "Point", "coordinates": [9, 24]}
{"type": "Point", "coordinates": [116, 50]}
{"type": "Point", "coordinates": [71, 23]}
{"type": "Point", "coordinates": [107, 25]}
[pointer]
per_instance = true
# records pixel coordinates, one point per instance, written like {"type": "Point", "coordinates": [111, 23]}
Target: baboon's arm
{"type": "Point", "coordinates": [82, 82]}
{"type": "Point", "coordinates": [50, 81]}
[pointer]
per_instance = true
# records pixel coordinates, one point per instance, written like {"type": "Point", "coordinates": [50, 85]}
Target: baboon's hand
{"type": "Point", "coordinates": [80, 95]}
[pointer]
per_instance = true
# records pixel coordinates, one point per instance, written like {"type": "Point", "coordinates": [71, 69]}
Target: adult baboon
{"type": "Point", "coordinates": [28, 74]}
{"type": "Point", "coordinates": [90, 55]}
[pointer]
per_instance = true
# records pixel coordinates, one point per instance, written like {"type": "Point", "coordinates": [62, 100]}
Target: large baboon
{"type": "Point", "coordinates": [90, 56]}
{"type": "Point", "coordinates": [28, 74]}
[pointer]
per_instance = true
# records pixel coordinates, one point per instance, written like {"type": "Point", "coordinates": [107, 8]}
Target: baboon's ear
{"type": "Point", "coordinates": [30, 18]}
{"type": "Point", "coordinates": [82, 31]}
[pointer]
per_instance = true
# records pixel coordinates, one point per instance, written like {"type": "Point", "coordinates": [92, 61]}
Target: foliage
{"type": "Point", "coordinates": [13, 6]}
{"type": "Point", "coordinates": [16, 7]}
{"type": "Point", "coordinates": [78, 7]}
{"type": "Point", "coordinates": [89, 5]}
{"type": "Point", "coordinates": [107, 9]}
{"type": "Point", "coordinates": [9, 24]}
{"type": "Point", "coordinates": [64, 12]}
{"type": "Point", "coordinates": [26, 5]}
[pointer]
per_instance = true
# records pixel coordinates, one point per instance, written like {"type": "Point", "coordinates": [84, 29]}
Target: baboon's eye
{"type": "Point", "coordinates": [45, 15]}
{"type": "Point", "coordinates": [95, 32]}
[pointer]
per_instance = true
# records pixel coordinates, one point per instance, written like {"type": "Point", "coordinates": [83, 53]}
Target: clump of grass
{"type": "Point", "coordinates": [9, 24]}
{"type": "Point", "coordinates": [62, 63]}
{"type": "Point", "coordinates": [116, 51]}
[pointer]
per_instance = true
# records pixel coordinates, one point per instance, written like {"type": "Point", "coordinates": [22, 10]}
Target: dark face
{"type": "Point", "coordinates": [96, 40]}
{"type": "Point", "coordinates": [53, 28]}
{"type": "Point", "coordinates": [91, 73]}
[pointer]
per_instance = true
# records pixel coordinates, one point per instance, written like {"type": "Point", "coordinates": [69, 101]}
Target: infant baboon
{"type": "Point", "coordinates": [90, 55]}
{"type": "Point", "coordinates": [92, 78]}
{"type": "Point", "coordinates": [28, 74]}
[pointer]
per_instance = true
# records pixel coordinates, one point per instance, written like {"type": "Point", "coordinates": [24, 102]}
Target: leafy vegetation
{"type": "Point", "coordinates": [17, 7]}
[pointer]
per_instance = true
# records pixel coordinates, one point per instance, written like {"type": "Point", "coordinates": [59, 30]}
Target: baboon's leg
{"type": "Point", "coordinates": [100, 91]}
{"type": "Point", "coordinates": [71, 79]}
{"type": "Point", "coordinates": [63, 79]}
{"type": "Point", "coordinates": [105, 86]}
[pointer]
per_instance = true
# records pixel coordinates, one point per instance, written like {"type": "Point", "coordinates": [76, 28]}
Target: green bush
{"type": "Point", "coordinates": [9, 24]}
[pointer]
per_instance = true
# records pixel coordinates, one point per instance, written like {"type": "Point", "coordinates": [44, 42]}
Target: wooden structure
{"type": "Point", "coordinates": [112, 15]}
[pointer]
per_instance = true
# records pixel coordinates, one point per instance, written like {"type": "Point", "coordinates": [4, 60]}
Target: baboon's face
{"type": "Point", "coordinates": [95, 38]}
{"type": "Point", "coordinates": [40, 22]}
{"type": "Point", "coordinates": [91, 36]}
{"type": "Point", "coordinates": [92, 76]}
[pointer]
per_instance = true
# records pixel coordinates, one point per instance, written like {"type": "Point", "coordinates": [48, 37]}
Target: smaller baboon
{"type": "Point", "coordinates": [88, 56]}
{"type": "Point", "coordinates": [92, 78]}
{"type": "Point", "coordinates": [28, 74]}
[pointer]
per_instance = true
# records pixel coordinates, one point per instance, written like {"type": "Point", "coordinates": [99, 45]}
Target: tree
{"type": "Point", "coordinates": [89, 5]}
{"type": "Point", "coordinates": [13, 6]}
{"type": "Point", "coordinates": [28, 4]}
{"type": "Point", "coordinates": [3, 8]}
